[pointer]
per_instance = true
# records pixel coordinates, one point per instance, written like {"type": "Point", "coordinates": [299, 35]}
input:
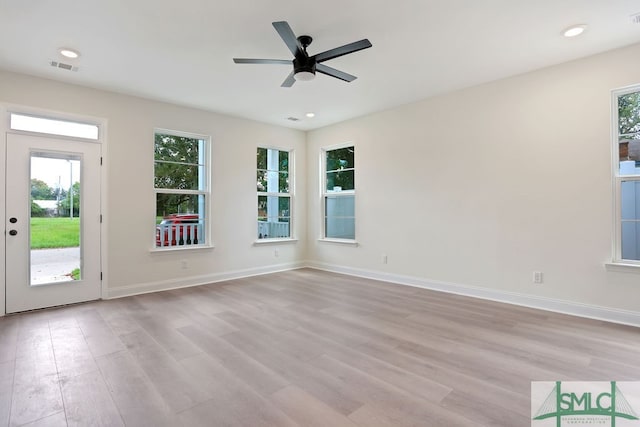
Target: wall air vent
{"type": "Point", "coordinates": [63, 66]}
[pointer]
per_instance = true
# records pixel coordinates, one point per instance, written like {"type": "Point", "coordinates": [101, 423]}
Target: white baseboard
{"type": "Point", "coordinates": [185, 282]}
{"type": "Point", "coordinates": [559, 306]}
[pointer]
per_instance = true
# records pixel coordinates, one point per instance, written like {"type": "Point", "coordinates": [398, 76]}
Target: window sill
{"type": "Point", "coordinates": [274, 241]}
{"type": "Point", "coordinates": [181, 249]}
{"type": "Point", "coordinates": [348, 242]}
{"type": "Point", "coordinates": [619, 267]}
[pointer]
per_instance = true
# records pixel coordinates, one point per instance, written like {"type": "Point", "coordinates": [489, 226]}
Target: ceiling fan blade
{"type": "Point", "coordinates": [289, 81]}
{"type": "Point", "coordinates": [288, 36]}
{"type": "Point", "coordinates": [321, 68]}
{"type": "Point", "coordinates": [261, 61]}
{"type": "Point", "coordinates": [342, 50]}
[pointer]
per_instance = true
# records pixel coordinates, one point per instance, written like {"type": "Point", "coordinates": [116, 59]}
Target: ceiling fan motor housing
{"type": "Point", "coordinates": [301, 64]}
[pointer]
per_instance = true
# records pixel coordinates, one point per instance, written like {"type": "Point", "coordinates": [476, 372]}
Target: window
{"type": "Point", "coordinates": [181, 183]}
{"type": "Point", "coordinates": [339, 194]}
{"type": "Point", "coordinates": [274, 194]}
{"type": "Point", "coordinates": [627, 175]}
{"type": "Point", "coordinates": [53, 126]}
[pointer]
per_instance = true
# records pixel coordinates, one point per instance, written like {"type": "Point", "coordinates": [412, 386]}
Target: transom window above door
{"type": "Point", "coordinates": [28, 123]}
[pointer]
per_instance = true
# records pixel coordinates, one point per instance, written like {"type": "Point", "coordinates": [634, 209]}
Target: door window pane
{"type": "Point", "coordinates": [55, 219]}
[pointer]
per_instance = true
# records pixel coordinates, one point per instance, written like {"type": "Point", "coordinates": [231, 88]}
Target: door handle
{"type": "Point", "coordinates": [13, 232]}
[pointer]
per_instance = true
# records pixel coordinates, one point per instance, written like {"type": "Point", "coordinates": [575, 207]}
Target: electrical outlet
{"type": "Point", "coordinates": [184, 264]}
{"type": "Point", "coordinates": [384, 259]}
{"type": "Point", "coordinates": [276, 253]}
{"type": "Point", "coordinates": [538, 277]}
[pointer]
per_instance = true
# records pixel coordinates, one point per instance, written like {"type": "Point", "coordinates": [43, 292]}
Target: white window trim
{"type": "Point", "coordinates": [275, 240]}
{"type": "Point", "coordinates": [207, 209]}
{"type": "Point", "coordinates": [291, 194]}
{"type": "Point", "coordinates": [618, 264]}
{"type": "Point", "coordinates": [619, 267]}
{"type": "Point", "coordinates": [324, 193]}
{"type": "Point", "coordinates": [348, 242]}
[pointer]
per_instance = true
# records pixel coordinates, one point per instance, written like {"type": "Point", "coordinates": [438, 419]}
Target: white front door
{"type": "Point", "coordinates": [53, 245]}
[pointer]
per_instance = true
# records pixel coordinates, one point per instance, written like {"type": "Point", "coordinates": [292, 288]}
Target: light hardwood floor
{"type": "Point", "coordinates": [298, 348]}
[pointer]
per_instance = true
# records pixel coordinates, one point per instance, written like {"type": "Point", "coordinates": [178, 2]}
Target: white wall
{"type": "Point", "coordinates": [485, 185]}
{"type": "Point", "coordinates": [130, 210]}
{"type": "Point", "coordinates": [476, 188]}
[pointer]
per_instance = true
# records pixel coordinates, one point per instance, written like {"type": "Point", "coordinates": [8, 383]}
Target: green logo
{"type": "Point", "coordinates": [586, 405]}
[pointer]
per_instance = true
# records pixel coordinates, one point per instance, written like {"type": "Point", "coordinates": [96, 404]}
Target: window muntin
{"type": "Point", "coordinates": [274, 193]}
{"type": "Point", "coordinates": [627, 175]}
{"type": "Point", "coordinates": [339, 193]}
{"type": "Point", "coordinates": [182, 190]}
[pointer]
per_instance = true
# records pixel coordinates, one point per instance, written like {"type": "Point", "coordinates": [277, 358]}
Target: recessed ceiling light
{"type": "Point", "coordinates": [69, 53]}
{"type": "Point", "coordinates": [574, 30]}
{"type": "Point", "coordinates": [310, 115]}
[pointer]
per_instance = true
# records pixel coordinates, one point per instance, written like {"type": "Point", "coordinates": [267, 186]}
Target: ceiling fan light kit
{"type": "Point", "coordinates": [304, 76]}
{"type": "Point", "coordinates": [305, 66]}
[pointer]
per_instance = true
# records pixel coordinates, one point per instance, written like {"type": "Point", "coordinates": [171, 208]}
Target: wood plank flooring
{"type": "Point", "coordinates": [298, 348]}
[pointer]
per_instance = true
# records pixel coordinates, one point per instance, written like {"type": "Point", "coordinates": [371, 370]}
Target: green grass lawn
{"type": "Point", "coordinates": [55, 233]}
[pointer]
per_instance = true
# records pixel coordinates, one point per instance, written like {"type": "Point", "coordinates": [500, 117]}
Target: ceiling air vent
{"type": "Point", "coordinates": [635, 18]}
{"type": "Point", "coordinates": [63, 66]}
{"type": "Point", "coordinates": [293, 119]}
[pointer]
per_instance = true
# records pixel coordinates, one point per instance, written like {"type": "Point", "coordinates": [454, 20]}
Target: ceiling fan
{"type": "Point", "coordinates": [305, 66]}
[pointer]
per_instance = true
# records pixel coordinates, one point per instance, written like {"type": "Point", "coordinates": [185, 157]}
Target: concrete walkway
{"type": "Point", "coordinates": [53, 265]}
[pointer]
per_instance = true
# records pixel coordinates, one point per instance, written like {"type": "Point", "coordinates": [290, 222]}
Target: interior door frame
{"type": "Point", "coordinates": [5, 128]}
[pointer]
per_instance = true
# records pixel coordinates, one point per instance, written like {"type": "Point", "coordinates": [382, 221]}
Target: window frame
{"type": "Point", "coordinates": [290, 195]}
{"type": "Point", "coordinates": [324, 193]}
{"type": "Point", "coordinates": [618, 179]}
{"type": "Point", "coordinates": [206, 192]}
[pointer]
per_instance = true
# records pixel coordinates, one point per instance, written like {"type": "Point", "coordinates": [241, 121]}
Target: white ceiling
{"type": "Point", "coordinates": [181, 51]}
